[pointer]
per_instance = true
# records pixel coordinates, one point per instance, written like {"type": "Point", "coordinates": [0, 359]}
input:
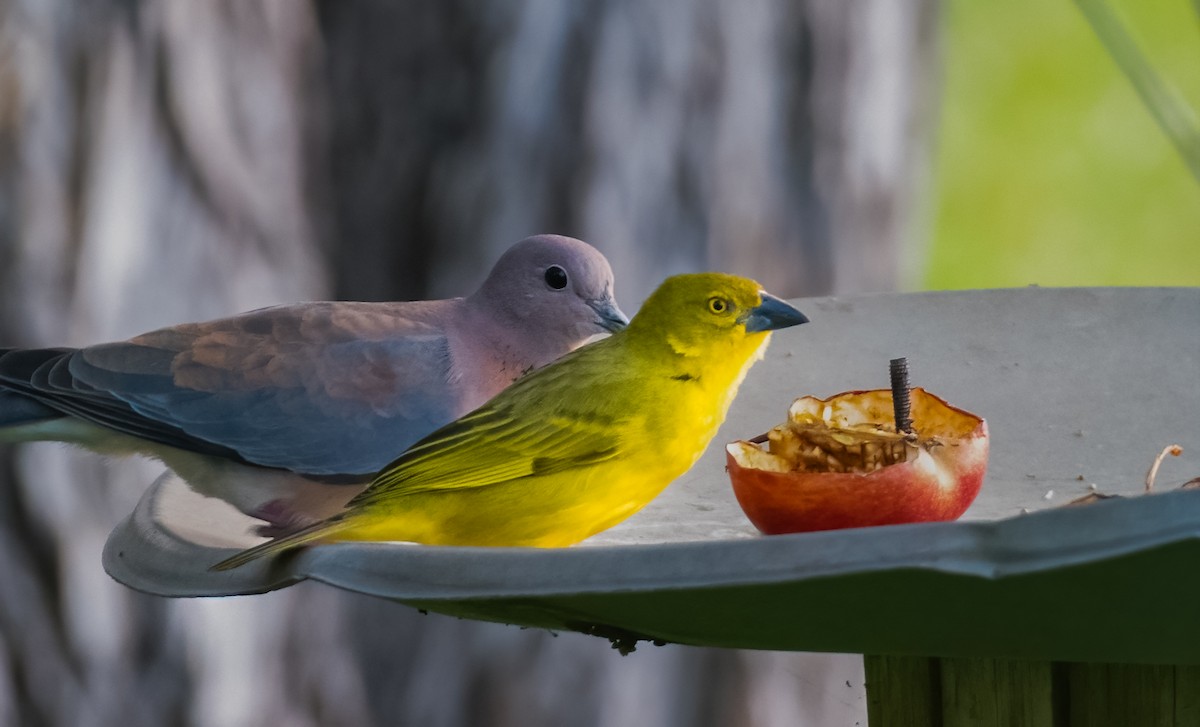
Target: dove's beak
{"type": "Point", "coordinates": [610, 317]}
{"type": "Point", "coordinates": [772, 314]}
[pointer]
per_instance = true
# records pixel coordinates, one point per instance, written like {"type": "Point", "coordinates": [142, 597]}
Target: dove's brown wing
{"type": "Point", "coordinates": [320, 388]}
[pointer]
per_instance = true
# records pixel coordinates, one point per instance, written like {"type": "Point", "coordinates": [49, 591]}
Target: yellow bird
{"type": "Point", "coordinates": [578, 446]}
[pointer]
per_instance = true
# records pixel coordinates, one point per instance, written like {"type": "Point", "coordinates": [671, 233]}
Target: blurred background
{"type": "Point", "coordinates": [166, 162]}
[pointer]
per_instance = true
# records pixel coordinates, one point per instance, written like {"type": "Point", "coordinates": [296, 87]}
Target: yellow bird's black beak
{"type": "Point", "coordinates": [771, 315]}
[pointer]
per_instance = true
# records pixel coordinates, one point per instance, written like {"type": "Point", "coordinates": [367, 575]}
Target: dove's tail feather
{"type": "Point", "coordinates": [311, 534]}
{"type": "Point", "coordinates": [18, 410]}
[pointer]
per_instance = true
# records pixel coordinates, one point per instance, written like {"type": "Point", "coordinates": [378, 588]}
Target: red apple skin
{"type": "Point", "coordinates": [790, 502]}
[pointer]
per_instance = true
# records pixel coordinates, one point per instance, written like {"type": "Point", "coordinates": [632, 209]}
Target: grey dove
{"type": "Point", "coordinates": [269, 408]}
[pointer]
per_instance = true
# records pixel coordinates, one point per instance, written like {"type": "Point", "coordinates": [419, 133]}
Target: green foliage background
{"type": "Point", "coordinates": [1050, 170]}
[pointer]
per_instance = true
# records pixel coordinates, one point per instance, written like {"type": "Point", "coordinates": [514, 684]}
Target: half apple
{"type": "Point", "coordinates": [841, 463]}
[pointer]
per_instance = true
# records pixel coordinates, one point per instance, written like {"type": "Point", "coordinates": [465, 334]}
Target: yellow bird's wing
{"type": "Point", "coordinates": [493, 445]}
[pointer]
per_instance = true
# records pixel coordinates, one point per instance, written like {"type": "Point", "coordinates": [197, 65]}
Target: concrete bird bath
{"type": "Point", "coordinates": [1020, 605]}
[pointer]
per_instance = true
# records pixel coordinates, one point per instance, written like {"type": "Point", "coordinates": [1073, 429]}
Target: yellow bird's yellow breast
{"type": "Point", "coordinates": [692, 409]}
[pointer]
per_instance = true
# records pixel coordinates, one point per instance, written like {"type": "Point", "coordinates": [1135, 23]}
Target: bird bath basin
{"type": "Point", "coordinates": [1079, 387]}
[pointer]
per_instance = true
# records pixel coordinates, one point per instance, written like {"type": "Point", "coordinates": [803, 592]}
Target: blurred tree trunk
{"type": "Point", "coordinates": [163, 162]}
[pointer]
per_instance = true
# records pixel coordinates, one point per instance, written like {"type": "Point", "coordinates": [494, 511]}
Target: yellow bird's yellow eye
{"type": "Point", "coordinates": [718, 305]}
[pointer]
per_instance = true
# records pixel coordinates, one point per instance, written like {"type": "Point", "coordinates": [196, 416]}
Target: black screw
{"type": "Point", "coordinates": [901, 403]}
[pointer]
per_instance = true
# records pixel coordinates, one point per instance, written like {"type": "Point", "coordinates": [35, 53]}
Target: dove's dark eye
{"type": "Point", "coordinates": [556, 277]}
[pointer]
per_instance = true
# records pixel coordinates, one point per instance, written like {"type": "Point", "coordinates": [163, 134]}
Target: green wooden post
{"type": "Point", "coordinates": [1142, 695]}
{"type": "Point", "coordinates": [996, 693]}
{"type": "Point", "coordinates": [1187, 695]}
{"type": "Point", "coordinates": [907, 691]}
{"type": "Point", "coordinates": [901, 691]}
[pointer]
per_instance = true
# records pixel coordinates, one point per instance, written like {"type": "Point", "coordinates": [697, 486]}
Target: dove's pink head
{"type": "Point", "coordinates": [557, 291]}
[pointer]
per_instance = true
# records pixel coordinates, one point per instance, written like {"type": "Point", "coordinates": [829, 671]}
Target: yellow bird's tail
{"type": "Point", "coordinates": [304, 536]}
